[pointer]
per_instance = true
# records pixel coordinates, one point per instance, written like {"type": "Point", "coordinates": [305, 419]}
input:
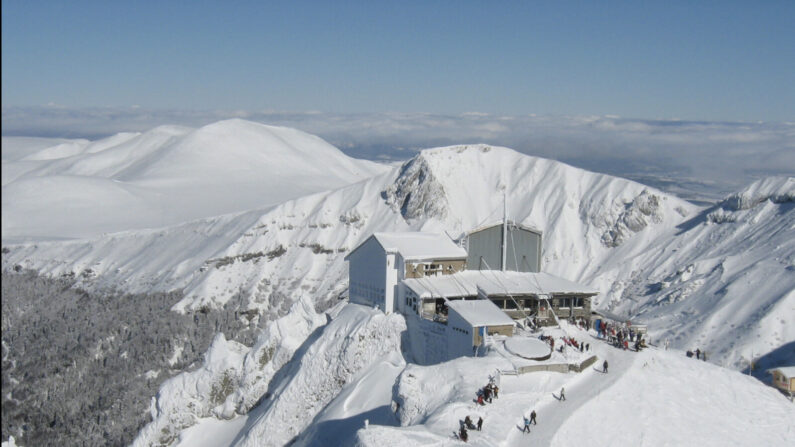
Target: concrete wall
{"type": "Point", "coordinates": [558, 367]}
{"type": "Point", "coordinates": [367, 272]}
{"type": "Point", "coordinates": [561, 311]}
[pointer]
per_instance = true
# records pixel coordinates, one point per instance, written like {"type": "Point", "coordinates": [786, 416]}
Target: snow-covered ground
{"type": "Point", "coordinates": [651, 398]}
{"type": "Point", "coordinates": [55, 189]}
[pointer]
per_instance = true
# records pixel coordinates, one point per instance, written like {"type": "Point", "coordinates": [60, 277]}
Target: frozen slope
{"type": "Point", "coordinates": [724, 281]}
{"type": "Point", "coordinates": [170, 174]}
{"type": "Point", "coordinates": [651, 398]}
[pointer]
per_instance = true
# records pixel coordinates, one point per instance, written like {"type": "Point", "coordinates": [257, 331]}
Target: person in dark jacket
{"type": "Point", "coordinates": [533, 418]}
{"type": "Point", "coordinates": [604, 367]}
{"type": "Point", "coordinates": [463, 434]}
{"type": "Point", "coordinates": [480, 423]}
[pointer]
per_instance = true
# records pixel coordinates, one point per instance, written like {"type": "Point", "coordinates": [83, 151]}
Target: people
{"type": "Point", "coordinates": [468, 423]}
{"type": "Point", "coordinates": [604, 367]}
{"type": "Point", "coordinates": [480, 422]}
{"type": "Point", "coordinates": [526, 428]}
{"type": "Point", "coordinates": [496, 391]}
{"type": "Point", "coordinates": [533, 417]}
{"type": "Point", "coordinates": [562, 393]}
{"type": "Point", "coordinates": [463, 434]}
{"type": "Point", "coordinates": [480, 399]}
{"type": "Point", "coordinates": [487, 393]}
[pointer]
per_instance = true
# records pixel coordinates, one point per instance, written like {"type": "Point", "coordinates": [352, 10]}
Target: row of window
{"type": "Point", "coordinates": [570, 302]}
{"type": "Point", "coordinates": [463, 331]}
{"type": "Point", "coordinates": [365, 290]}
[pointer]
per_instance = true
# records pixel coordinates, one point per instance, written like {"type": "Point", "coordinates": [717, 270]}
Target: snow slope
{"type": "Point", "coordinates": [168, 175]}
{"type": "Point", "coordinates": [724, 281]}
{"type": "Point", "coordinates": [651, 398]}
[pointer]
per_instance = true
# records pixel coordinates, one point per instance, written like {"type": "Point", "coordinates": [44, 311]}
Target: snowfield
{"type": "Point", "coordinates": [166, 176]}
{"type": "Point", "coordinates": [720, 278]}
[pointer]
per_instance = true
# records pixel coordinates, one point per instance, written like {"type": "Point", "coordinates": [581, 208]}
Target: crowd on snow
{"type": "Point", "coordinates": [620, 335]}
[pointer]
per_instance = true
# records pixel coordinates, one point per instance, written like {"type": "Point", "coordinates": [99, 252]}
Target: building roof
{"type": "Point", "coordinates": [510, 224]}
{"type": "Point", "coordinates": [419, 246]}
{"type": "Point", "coordinates": [480, 313]}
{"type": "Point", "coordinates": [494, 283]}
{"type": "Point", "coordinates": [788, 371]}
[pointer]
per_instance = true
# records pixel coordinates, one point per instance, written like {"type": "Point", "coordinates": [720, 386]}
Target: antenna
{"type": "Point", "coordinates": [504, 227]}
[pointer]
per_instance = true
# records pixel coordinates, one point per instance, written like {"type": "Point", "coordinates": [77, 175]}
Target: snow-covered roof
{"type": "Point", "coordinates": [418, 246]}
{"type": "Point", "coordinates": [788, 371]}
{"type": "Point", "coordinates": [480, 313]}
{"type": "Point", "coordinates": [494, 282]}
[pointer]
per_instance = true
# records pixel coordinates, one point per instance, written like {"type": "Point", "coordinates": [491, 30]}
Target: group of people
{"type": "Point", "coordinates": [700, 355]}
{"type": "Point", "coordinates": [463, 433]}
{"type": "Point", "coordinates": [486, 393]}
{"type": "Point", "coordinates": [582, 346]}
{"type": "Point", "coordinates": [582, 323]}
{"type": "Point", "coordinates": [621, 335]}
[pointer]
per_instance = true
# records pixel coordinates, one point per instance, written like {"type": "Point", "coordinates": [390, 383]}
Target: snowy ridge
{"type": "Point", "coordinates": [723, 281]}
{"type": "Point", "coordinates": [231, 380]}
{"type": "Point", "coordinates": [165, 176]}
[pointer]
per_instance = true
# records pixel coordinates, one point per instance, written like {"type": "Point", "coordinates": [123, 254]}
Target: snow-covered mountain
{"type": "Point", "coordinates": [168, 175]}
{"type": "Point", "coordinates": [682, 269]}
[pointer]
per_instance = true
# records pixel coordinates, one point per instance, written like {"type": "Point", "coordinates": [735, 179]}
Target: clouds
{"type": "Point", "coordinates": [697, 159]}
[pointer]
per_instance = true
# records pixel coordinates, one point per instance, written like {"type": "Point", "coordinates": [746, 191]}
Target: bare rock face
{"type": "Point", "coordinates": [416, 193]}
{"type": "Point", "coordinates": [644, 209]}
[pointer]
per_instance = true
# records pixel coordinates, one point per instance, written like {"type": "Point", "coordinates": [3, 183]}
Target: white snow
{"type": "Point", "coordinates": [651, 398]}
{"type": "Point", "coordinates": [55, 189]}
{"type": "Point", "coordinates": [480, 313]}
{"type": "Point", "coordinates": [416, 246]}
{"type": "Point", "coordinates": [494, 282]}
{"type": "Point", "coordinates": [530, 348]}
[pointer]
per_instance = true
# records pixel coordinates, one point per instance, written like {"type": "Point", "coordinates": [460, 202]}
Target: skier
{"type": "Point", "coordinates": [698, 354]}
{"type": "Point", "coordinates": [487, 394]}
{"type": "Point", "coordinates": [562, 394]}
{"type": "Point", "coordinates": [480, 399]}
{"type": "Point", "coordinates": [604, 367]}
{"type": "Point", "coordinates": [533, 417]}
{"type": "Point", "coordinates": [463, 434]}
{"type": "Point", "coordinates": [468, 423]}
{"type": "Point", "coordinates": [526, 428]}
{"type": "Point", "coordinates": [480, 423]}
{"type": "Point", "coordinates": [496, 392]}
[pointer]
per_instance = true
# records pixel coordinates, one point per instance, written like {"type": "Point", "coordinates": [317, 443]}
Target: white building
{"type": "Point", "coordinates": [470, 321]}
{"type": "Point", "coordinates": [449, 310]}
{"type": "Point", "coordinates": [378, 264]}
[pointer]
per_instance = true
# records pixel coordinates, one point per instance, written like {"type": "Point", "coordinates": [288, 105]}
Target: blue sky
{"type": "Point", "coordinates": [715, 61]}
